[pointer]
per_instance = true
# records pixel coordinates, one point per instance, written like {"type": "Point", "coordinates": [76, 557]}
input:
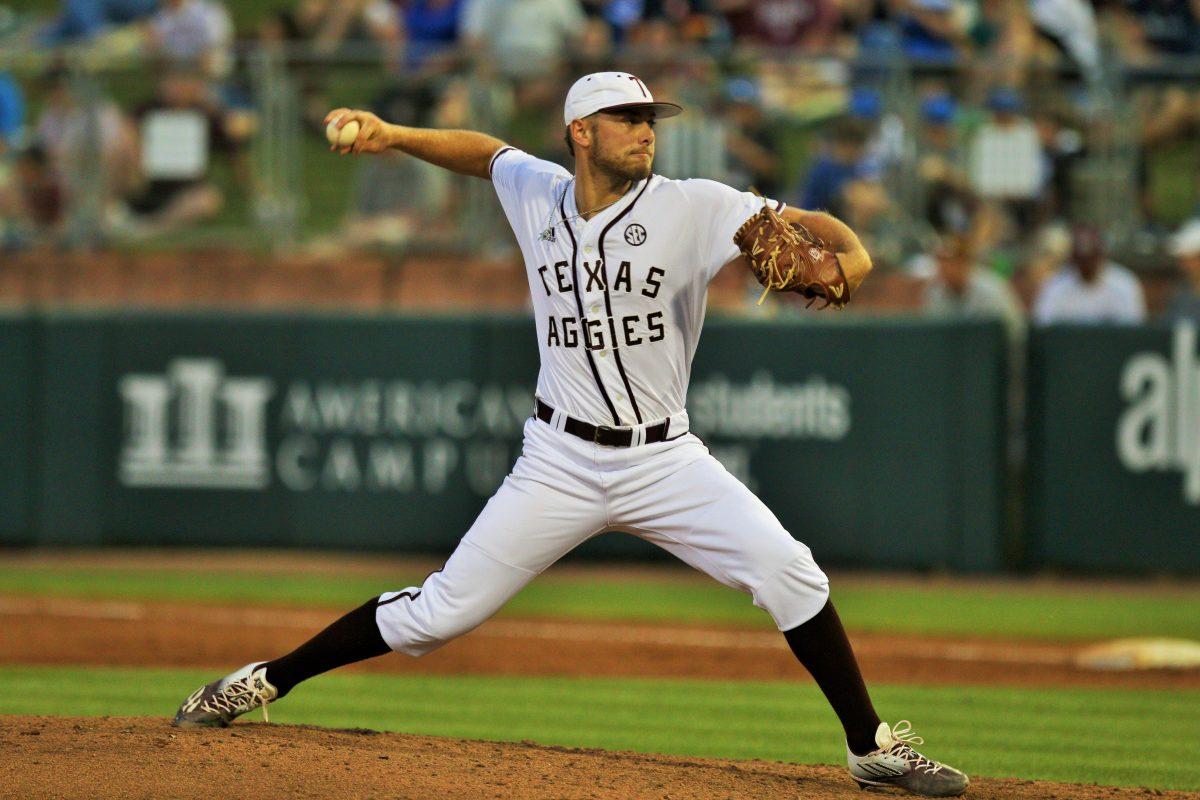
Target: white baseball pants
{"type": "Point", "coordinates": [563, 490]}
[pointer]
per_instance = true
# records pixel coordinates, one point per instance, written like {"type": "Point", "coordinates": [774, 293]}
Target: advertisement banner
{"type": "Point", "coordinates": [876, 443]}
{"type": "Point", "coordinates": [1115, 448]}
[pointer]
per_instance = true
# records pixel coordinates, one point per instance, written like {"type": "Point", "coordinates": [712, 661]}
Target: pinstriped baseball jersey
{"type": "Point", "coordinates": [619, 299]}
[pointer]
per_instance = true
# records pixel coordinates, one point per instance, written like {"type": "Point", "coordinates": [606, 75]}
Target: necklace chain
{"type": "Point", "coordinates": [548, 233]}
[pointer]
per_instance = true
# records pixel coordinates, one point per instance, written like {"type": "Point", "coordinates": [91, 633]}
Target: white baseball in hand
{"type": "Point", "coordinates": [344, 137]}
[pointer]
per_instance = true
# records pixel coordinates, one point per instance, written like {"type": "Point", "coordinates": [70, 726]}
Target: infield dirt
{"type": "Point", "coordinates": [124, 757]}
{"type": "Point", "coordinates": [146, 758]}
{"type": "Point", "coordinates": [123, 633]}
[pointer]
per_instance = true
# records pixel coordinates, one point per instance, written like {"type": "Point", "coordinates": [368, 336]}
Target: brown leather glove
{"type": "Point", "coordinates": [787, 257]}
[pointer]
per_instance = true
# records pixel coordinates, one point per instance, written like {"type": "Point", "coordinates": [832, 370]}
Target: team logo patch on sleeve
{"type": "Point", "coordinates": [635, 234]}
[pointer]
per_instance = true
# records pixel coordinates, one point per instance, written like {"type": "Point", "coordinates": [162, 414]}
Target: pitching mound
{"type": "Point", "coordinates": [129, 757]}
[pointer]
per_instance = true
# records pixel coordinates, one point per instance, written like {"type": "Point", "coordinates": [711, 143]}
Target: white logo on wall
{"type": "Point", "coordinates": [195, 428]}
{"type": "Point", "coordinates": [1161, 428]}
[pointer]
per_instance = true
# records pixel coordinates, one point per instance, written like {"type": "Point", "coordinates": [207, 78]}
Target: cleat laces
{"type": "Point", "coordinates": [237, 698]}
{"type": "Point", "coordinates": [905, 738]}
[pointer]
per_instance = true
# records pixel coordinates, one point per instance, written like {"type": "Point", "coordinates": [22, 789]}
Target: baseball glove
{"type": "Point", "coordinates": [786, 257]}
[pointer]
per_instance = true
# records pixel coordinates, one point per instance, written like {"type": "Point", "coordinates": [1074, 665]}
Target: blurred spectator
{"type": "Point", "coordinates": [327, 23]}
{"type": "Point", "coordinates": [88, 143]}
{"type": "Point", "coordinates": [1145, 30]}
{"type": "Point", "coordinates": [750, 138]}
{"type": "Point", "coordinates": [806, 24]}
{"type": "Point", "coordinates": [395, 197]}
{"type": "Point", "coordinates": [526, 38]}
{"type": "Point", "coordinates": [430, 26]}
{"type": "Point", "coordinates": [196, 34]}
{"type": "Point", "coordinates": [594, 52]}
{"type": "Point", "coordinates": [179, 133]}
{"type": "Point", "coordinates": [1185, 246]}
{"type": "Point", "coordinates": [1071, 26]}
{"type": "Point", "coordinates": [41, 193]}
{"type": "Point", "coordinates": [962, 288]}
{"type": "Point", "coordinates": [1090, 288]}
{"type": "Point", "coordinates": [1062, 148]}
{"type": "Point", "coordinates": [12, 112]}
{"type": "Point", "coordinates": [1006, 161]}
{"type": "Point", "coordinates": [82, 20]}
{"type": "Point", "coordinates": [949, 202]}
{"type": "Point", "coordinates": [840, 163]}
{"type": "Point", "coordinates": [886, 140]}
{"type": "Point", "coordinates": [847, 179]}
{"type": "Point", "coordinates": [31, 202]}
{"type": "Point", "coordinates": [693, 146]}
{"type": "Point", "coordinates": [1003, 33]}
{"type": "Point", "coordinates": [932, 31]}
{"type": "Point", "coordinates": [618, 17]}
{"type": "Point", "coordinates": [1168, 118]}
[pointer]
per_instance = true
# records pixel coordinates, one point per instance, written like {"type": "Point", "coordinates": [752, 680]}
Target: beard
{"type": "Point", "coordinates": [618, 169]}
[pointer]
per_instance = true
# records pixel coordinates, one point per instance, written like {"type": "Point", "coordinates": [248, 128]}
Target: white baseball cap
{"type": "Point", "coordinates": [1186, 241]}
{"type": "Point", "coordinates": [606, 91]}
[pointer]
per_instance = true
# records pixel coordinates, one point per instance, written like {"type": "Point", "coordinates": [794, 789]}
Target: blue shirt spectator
{"type": "Point", "coordinates": [431, 25]}
{"type": "Point", "coordinates": [80, 20]}
{"type": "Point", "coordinates": [841, 162]}
{"type": "Point", "coordinates": [12, 109]}
{"type": "Point", "coordinates": [930, 29]}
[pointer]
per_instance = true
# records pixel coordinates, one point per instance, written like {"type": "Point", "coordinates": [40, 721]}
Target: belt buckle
{"type": "Point", "coordinates": [600, 430]}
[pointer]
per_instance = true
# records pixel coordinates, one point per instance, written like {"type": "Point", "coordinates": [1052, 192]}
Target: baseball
{"type": "Point", "coordinates": [344, 137]}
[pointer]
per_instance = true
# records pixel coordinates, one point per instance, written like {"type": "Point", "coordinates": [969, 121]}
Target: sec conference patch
{"type": "Point", "coordinates": [635, 234]}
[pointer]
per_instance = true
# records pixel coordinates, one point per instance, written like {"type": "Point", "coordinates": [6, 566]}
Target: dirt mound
{"type": "Point", "coordinates": [129, 757]}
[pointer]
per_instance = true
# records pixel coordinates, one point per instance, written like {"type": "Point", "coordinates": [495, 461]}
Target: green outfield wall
{"type": "Point", "coordinates": [878, 443]}
{"type": "Point", "coordinates": [1114, 446]}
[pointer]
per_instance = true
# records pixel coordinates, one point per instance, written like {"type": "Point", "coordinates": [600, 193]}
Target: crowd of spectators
{"type": "Point", "coordinates": [990, 167]}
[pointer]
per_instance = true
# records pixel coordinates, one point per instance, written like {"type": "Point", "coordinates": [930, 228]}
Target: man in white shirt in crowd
{"type": "Point", "coordinates": [1090, 287]}
{"type": "Point", "coordinates": [526, 38]}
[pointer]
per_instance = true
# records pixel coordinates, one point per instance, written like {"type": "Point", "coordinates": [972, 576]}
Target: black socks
{"type": "Point", "coordinates": [354, 637]}
{"type": "Point", "coordinates": [819, 644]}
{"type": "Point", "coordinates": [822, 647]}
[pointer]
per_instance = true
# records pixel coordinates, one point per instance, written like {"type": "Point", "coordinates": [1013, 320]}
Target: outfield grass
{"type": "Point", "coordinates": [1129, 738]}
{"type": "Point", "coordinates": [1002, 610]}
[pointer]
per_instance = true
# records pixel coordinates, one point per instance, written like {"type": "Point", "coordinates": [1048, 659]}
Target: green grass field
{"type": "Point", "coordinates": [961, 610]}
{"type": "Point", "coordinates": [1115, 737]}
{"type": "Point", "coordinates": [1140, 738]}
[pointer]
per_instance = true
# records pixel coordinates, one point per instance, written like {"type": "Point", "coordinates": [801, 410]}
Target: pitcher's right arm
{"type": "Point", "coordinates": [464, 152]}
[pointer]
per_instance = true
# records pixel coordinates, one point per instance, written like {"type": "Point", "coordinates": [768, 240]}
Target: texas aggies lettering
{"type": "Point", "coordinates": [619, 288]}
{"type": "Point", "coordinates": [619, 297]}
{"type": "Point", "coordinates": [628, 331]}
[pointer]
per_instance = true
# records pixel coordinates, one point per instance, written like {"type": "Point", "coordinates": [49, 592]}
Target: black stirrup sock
{"type": "Point", "coordinates": [822, 647]}
{"type": "Point", "coordinates": [354, 637]}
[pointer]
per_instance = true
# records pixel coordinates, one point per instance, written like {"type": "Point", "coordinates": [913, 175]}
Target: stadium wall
{"type": "Point", "coordinates": [877, 442]}
{"type": "Point", "coordinates": [1114, 448]}
{"type": "Point", "coordinates": [391, 433]}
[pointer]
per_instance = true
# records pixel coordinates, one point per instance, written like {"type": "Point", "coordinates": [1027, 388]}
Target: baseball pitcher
{"type": "Point", "coordinates": [618, 261]}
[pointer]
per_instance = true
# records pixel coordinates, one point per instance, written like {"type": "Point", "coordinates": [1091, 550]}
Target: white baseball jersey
{"type": "Point", "coordinates": [619, 299]}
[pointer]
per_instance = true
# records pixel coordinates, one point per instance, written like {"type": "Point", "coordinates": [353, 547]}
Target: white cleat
{"type": "Point", "coordinates": [895, 763]}
{"type": "Point", "coordinates": [220, 702]}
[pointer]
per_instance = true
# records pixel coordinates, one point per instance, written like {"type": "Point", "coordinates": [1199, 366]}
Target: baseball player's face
{"type": "Point", "coordinates": [623, 143]}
